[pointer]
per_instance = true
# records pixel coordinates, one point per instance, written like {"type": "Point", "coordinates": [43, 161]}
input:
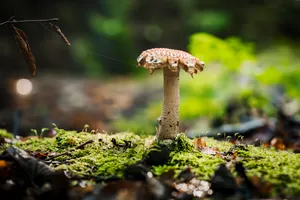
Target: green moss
{"type": "Point", "coordinates": [105, 157]}
{"type": "Point", "coordinates": [5, 134]}
{"type": "Point", "coordinates": [37, 144]}
{"type": "Point", "coordinates": [183, 154]}
{"type": "Point", "coordinates": [281, 168]}
{"type": "Point", "coordinates": [101, 157]}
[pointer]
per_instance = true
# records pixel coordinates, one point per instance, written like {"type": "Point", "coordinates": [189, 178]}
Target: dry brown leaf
{"type": "Point", "coordinates": [234, 155]}
{"type": "Point", "coordinates": [3, 164]}
{"type": "Point", "coordinates": [233, 141]}
{"type": "Point", "coordinates": [59, 32]}
{"type": "Point", "coordinates": [264, 187]}
{"type": "Point", "coordinates": [23, 44]}
{"type": "Point", "coordinates": [278, 143]}
{"type": "Point", "coordinates": [218, 155]}
{"type": "Point", "coordinates": [211, 151]}
{"type": "Point", "coordinates": [199, 143]}
{"type": "Point", "coordinates": [5, 169]}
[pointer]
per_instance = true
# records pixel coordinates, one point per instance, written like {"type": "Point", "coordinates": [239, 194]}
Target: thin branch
{"type": "Point", "coordinates": [69, 151]}
{"type": "Point", "coordinates": [12, 21]}
{"type": "Point", "coordinates": [44, 26]}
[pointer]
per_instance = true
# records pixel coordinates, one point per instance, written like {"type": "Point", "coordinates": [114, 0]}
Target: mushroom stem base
{"type": "Point", "coordinates": [169, 120]}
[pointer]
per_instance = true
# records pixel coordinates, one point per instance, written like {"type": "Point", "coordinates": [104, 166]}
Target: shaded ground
{"type": "Point", "coordinates": [128, 166]}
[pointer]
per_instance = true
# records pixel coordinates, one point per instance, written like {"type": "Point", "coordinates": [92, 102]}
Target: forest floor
{"type": "Point", "coordinates": [91, 165]}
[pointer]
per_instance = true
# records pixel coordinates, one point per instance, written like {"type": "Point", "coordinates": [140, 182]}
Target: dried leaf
{"type": "Point", "coordinates": [199, 143]}
{"type": "Point", "coordinates": [233, 141]}
{"type": "Point", "coordinates": [5, 169]}
{"type": "Point", "coordinates": [234, 155]}
{"type": "Point", "coordinates": [218, 154]}
{"type": "Point", "coordinates": [40, 155]}
{"type": "Point", "coordinates": [278, 143]}
{"type": "Point", "coordinates": [31, 168]}
{"type": "Point", "coordinates": [264, 187]}
{"type": "Point", "coordinates": [59, 32]}
{"type": "Point", "coordinates": [3, 164]}
{"type": "Point", "coordinates": [211, 151]}
{"type": "Point", "coordinates": [23, 44]}
{"type": "Point", "coordinates": [266, 145]}
{"type": "Point", "coordinates": [256, 181]}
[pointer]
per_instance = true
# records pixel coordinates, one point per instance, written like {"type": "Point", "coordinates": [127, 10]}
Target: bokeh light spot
{"type": "Point", "coordinates": [24, 86]}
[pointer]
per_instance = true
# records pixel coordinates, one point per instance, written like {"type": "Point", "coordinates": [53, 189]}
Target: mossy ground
{"type": "Point", "coordinates": [5, 134]}
{"type": "Point", "coordinates": [105, 157]}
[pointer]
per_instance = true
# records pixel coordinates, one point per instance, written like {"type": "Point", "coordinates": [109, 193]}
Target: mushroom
{"type": "Point", "coordinates": [170, 60]}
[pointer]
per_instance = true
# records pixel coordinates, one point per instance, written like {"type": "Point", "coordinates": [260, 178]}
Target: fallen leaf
{"type": "Point", "coordinates": [266, 145]}
{"type": "Point", "coordinates": [278, 143]}
{"type": "Point", "coordinates": [199, 143]}
{"type": "Point", "coordinates": [29, 167]}
{"type": "Point", "coordinates": [233, 141]}
{"type": "Point", "coordinates": [5, 169]}
{"type": "Point", "coordinates": [234, 155]}
{"type": "Point", "coordinates": [40, 155]}
{"type": "Point", "coordinates": [218, 155]}
{"type": "Point", "coordinates": [264, 187]}
{"type": "Point", "coordinates": [3, 164]}
{"type": "Point", "coordinates": [23, 44]}
{"type": "Point", "coordinates": [211, 151]}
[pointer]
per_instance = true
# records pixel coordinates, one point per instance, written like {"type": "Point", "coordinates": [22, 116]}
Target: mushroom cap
{"type": "Point", "coordinates": [158, 58]}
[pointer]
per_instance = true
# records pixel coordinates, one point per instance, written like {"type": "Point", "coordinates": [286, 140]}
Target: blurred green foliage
{"type": "Point", "coordinates": [234, 71]}
{"type": "Point", "coordinates": [207, 93]}
{"type": "Point", "coordinates": [210, 20]}
{"type": "Point", "coordinates": [109, 47]}
{"type": "Point", "coordinates": [281, 67]}
{"type": "Point", "coordinates": [121, 29]}
{"type": "Point", "coordinates": [117, 31]}
{"type": "Point", "coordinates": [230, 52]}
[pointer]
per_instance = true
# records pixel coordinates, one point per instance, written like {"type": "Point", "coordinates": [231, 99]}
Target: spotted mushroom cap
{"type": "Point", "coordinates": [158, 58]}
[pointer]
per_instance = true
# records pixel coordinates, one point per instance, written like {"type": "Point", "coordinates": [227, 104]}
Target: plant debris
{"type": "Point", "coordinates": [22, 41]}
{"type": "Point", "coordinates": [23, 44]}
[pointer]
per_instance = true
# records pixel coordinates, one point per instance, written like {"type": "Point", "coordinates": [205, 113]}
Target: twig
{"type": "Point", "coordinates": [83, 144]}
{"type": "Point", "coordinates": [67, 152]}
{"type": "Point", "coordinates": [12, 21]}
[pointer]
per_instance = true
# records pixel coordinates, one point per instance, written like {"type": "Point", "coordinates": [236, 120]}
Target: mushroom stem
{"type": "Point", "coordinates": [169, 119]}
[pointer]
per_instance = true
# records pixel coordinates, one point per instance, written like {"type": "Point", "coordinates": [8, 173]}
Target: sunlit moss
{"type": "Point", "coordinates": [5, 134]}
{"type": "Point", "coordinates": [101, 157]}
{"type": "Point", "coordinates": [37, 144]}
{"type": "Point", "coordinates": [183, 154]}
{"type": "Point", "coordinates": [109, 155]}
{"type": "Point", "coordinates": [281, 168]}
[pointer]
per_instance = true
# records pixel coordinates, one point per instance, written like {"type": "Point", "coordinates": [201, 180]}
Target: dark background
{"type": "Point", "coordinates": [108, 35]}
{"type": "Point", "coordinates": [145, 23]}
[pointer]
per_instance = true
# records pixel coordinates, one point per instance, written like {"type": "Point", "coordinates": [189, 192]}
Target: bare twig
{"type": "Point", "coordinates": [12, 21]}
{"type": "Point", "coordinates": [69, 151]}
{"type": "Point", "coordinates": [83, 144]}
